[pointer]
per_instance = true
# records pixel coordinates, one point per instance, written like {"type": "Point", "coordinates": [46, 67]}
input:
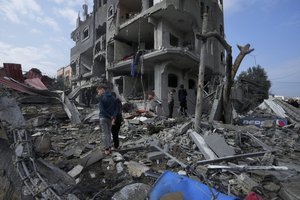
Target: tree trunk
{"type": "Point", "coordinates": [198, 109]}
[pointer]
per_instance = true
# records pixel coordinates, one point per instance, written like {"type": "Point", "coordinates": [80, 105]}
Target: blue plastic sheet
{"type": "Point", "coordinates": [190, 189]}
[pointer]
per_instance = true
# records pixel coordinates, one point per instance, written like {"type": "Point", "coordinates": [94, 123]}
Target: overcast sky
{"type": "Point", "coordinates": [36, 33]}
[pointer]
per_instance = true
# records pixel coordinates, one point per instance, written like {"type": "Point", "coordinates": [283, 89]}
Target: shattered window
{"type": "Point", "coordinates": [172, 80]}
{"type": "Point", "coordinates": [222, 57]}
{"type": "Point", "coordinates": [77, 36]}
{"type": "Point", "coordinates": [221, 30]}
{"type": "Point", "coordinates": [110, 11]}
{"type": "Point", "coordinates": [85, 33]}
{"type": "Point", "coordinates": [150, 3]}
{"type": "Point", "coordinates": [173, 40]}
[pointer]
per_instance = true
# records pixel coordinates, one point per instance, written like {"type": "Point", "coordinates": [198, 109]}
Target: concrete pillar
{"type": "Point", "coordinates": [160, 85]}
{"type": "Point", "coordinates": [158, 34]}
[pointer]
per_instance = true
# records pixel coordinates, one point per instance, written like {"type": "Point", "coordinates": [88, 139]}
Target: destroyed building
{"type": "Point", "coordinates": [65, 74]}
{"type": "Point", "coordinates": [147, 45]}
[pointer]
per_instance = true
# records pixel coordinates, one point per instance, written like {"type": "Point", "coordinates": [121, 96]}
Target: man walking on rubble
{"type": "Point", "coordinates": [182, 99]}
{"type": "Point", "coordinates": [116, 126]}
{"type": "Point", "coordinates": [107, 115]}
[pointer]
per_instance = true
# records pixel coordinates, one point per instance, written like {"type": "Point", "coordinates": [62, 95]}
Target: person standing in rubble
{"type": "Point", "coordinates": [119, 119]}
{"type": "Point", "coordinates": [171, 102]}
{"type": "Point", "coordinates": [107, 115]}
{"type": "Point", "coordinates": [182, 100]}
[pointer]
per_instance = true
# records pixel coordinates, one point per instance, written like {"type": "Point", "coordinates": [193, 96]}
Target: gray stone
{"type": "Point", "coordinates": [91, 157]}
{"type": "Point", "coordinates": [172, 163]}
{"type": "Point", "coordinates": [136, 191]}
{"type": "Point", "coordinates": [39, 121]}
{"type": "Point", "coordinates": [156, 155]}
{"type": "Point", "coordinates": [136, 169]}
{"type": "Point", "coordinates": [42, 144]}
{"type": "Point", "coordinates": [184, 128]}
{"type": "Point", "coordinates": [120, 167]}
{"type": "Point", "coordinates": [202, 146]}
{"type": "Point", "coordinates": [290, 191]}
{"type": "Point", "coordinates": [75, 171]}
{"type": "Point", "coordinates": [272, 187]}
{"type": "Point", "coordinates": [218, 144]}
{"type": "Point", "coordinates": [117, 157]}
{"type": "Point", "coordinates": [72, 197]}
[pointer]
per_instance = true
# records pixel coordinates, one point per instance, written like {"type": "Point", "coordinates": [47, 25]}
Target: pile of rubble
{"type": "Point", "coordinates": [58, 156]}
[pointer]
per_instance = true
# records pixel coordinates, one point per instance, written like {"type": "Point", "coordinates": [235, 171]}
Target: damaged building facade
{"type": "Point", "coordinates": [147, 45]}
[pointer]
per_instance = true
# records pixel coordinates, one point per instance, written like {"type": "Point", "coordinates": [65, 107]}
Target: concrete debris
{"type": "Point", "coordinates": [202, 146]}
{"type": "Point", "coordinates": [76, 171]}
{"type": "Point", "coordinates": [136, 169]}
{"type": "Point", "coordinates": [238, 158]}
{"type": "Point", "coordinates": [137, 191]}
{"type": "Point", "coordinates": [10, 112]}
{"type": "Point", "coordinates": [218, 144]}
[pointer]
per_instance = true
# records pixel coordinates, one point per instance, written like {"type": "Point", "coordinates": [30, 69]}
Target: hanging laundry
{"type": "Point", "coordinates": [135, 61]}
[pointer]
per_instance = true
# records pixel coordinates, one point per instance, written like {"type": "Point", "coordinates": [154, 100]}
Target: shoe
{"type": "Point", "coordinates": [114, 148]}
{"type": "Point", "coordinates": [107, 152]}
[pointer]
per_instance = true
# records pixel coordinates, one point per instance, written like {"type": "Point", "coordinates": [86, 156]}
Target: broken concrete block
{"type": "Point", "coordinates": [92, 174]}
{"type": "Point", "coordinates": [153, 144]}
{"type": "Point", "coordinates": [42, 144]}
{"type": "Point", "coordinates": [91, 157]}
{"type": "Point", "coordinates": [76, 171]}
{"type": "Point", "coordinates": [202, 146]}
{"type": "Point", "coordinates": [156, 155]}
{"type": "Point", "coordinates": [184, 128]}
{"type": "Point", "coordinates": [290, 191]}
{"type": "Point", "coordinates": [218, 144]}
{"type": "Point", "coordinates": [69, 153]}
{"type": "Point", "coordinates": [272, 187]}
{"type": "Point", "coordinates": [39, 121]}
{"type": "Point", "coordinates": [136, 169]}
{"type": "Point", "coordinates": [120, 167]}
{"type": "Point", "coordinates": [117, 157]}
{"type": "Point", "coordinates": [136, 191]}
{"type": "Point", "coordinates": [172, 163]}
{"type": "Point", "coordinates": [246, 182]}
{"type": "Point", "coordinates": [72, 197]}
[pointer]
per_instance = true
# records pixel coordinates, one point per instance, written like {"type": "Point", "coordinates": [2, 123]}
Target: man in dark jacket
{"type": "Point", "coordinates": [182, 100]}
{"type": "Point", "coordinates": [107, 115]}
{"type": "Point", "coordinates": [116, 126]}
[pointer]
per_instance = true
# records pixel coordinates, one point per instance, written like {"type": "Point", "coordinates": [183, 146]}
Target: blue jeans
{"type": "Point", "coordinates": [105, 124]}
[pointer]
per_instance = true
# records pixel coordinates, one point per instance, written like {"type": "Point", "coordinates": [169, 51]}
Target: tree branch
{"type": "Point", "coordinates": [216, 35]}
{"type": "Point", "coordinates": [244, 50]}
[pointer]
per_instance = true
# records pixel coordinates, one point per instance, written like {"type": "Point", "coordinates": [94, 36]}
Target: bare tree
{"type": "Point", "coordinates": [231, 69]}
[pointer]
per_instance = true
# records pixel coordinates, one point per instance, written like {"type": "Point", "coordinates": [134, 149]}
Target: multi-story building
{"type": "Point", "coordinates": [147, 45]}
{"type": "Point", "coordinates": [65, 73]}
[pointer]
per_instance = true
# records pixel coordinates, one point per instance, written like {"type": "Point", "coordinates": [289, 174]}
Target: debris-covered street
{"type": "Point", "coordinates": [149, 100]}
{"type": "Point", "coordinates": [69, 158]}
